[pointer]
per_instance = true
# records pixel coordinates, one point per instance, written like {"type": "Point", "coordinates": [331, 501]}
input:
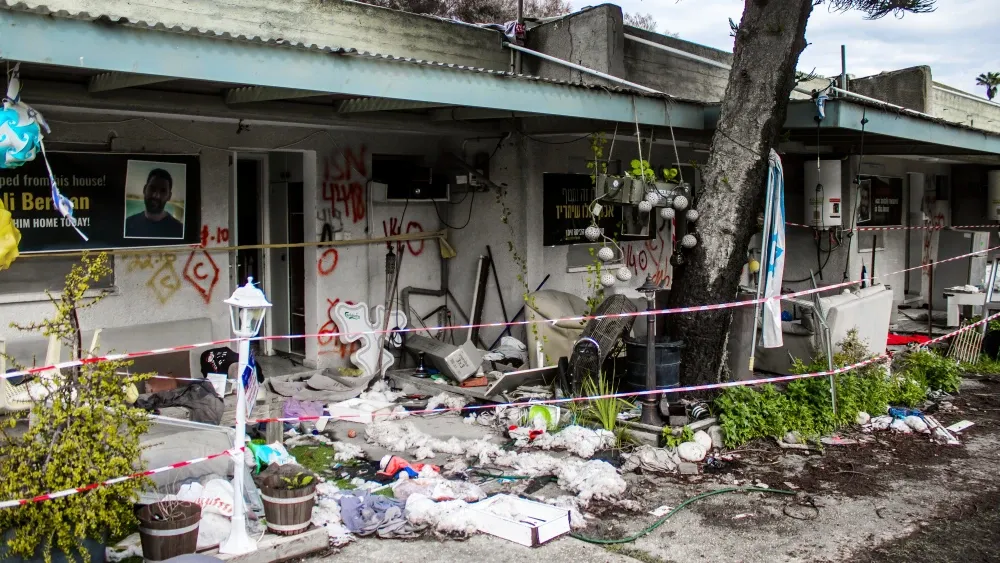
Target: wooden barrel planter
{"type": "Point", "coordinates": [288, 511]}
{"type": "Point", "coordinates": [168, 529]}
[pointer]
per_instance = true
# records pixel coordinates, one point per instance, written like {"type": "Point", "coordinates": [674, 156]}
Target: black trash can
{"type": "Point", "coordinates": [667, 359]}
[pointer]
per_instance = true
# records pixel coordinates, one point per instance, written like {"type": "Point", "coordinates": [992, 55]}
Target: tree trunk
{"type": "Point", "coordinates": [770, 39]}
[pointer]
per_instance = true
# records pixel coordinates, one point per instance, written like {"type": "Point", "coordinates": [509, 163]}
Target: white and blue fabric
{"type": "Point", "coordinates": [774, 258]}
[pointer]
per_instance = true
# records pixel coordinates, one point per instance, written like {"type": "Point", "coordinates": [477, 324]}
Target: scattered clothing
{"type": "Point", "coordinates": [199, 398]}
{"type": "Point", "coordinates": [294, 408]}
{"type": "Point", "coordinates": [366, 514]}
{"type": "Point", "coordinates": [391, 466]}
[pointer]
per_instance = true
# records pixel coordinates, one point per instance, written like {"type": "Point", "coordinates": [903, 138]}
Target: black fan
{"type": "Point", "coordinates": [601, 338]}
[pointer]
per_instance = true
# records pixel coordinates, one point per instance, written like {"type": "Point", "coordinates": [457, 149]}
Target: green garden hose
{"type": "Point", "coordinates": [660, 522]}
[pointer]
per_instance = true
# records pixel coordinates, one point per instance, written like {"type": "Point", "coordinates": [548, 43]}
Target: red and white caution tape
{"type": "Point", "coordinates": [115, 481]}
{"type": "Point", "coordinates": [908, 228]}
{"type": "Point", "coordinates": [582, 318]}
{"type": "Point", "coordinates": [674, 390]}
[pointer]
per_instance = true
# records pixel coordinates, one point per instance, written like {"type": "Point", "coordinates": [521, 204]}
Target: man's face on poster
{"type": "Point", "coordinates": [156, 194]}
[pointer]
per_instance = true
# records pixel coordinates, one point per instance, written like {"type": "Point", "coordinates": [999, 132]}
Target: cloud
{"type": "Point", "coordinates": [958, 41]}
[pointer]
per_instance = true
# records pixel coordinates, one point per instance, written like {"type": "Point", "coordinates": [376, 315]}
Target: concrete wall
{"type": "Point", "coordinates": [591, 38]}
{"type": "Point", "coordinates": [909, 87]}
{"type": "Point", "coordinates": [673, 74]}
{"type": "Point", "coordinates": [334, 169]}
{"type": "Point", "coordinates": [962, 107]}
{"type": "Point", "coordinates": [326, 23]}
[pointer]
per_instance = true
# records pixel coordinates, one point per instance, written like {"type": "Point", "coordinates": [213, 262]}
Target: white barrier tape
{"type": "Point", "coordinates": [676, 310]}
{"type": "Point", "coordinates": [907, 228]}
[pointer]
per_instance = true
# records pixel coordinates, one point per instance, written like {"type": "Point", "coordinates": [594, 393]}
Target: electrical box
{"type": "Point", "coordinates": [823, 202]}
{"type": "Point", "coordinates": [993, 195]}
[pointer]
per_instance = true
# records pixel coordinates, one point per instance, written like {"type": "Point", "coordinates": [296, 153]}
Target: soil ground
{"type": "Point", "coordinates": [888, 498]}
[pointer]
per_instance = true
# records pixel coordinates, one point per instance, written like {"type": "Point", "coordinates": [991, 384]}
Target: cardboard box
{"type": "Point", "coordinates": [457, 362]}
{"type": "Point", "coordinates": [537, 522]}
{"type": "Point", "coordinates": [360, 410]}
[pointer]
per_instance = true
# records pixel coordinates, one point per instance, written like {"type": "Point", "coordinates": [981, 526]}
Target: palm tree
{"type": "Point", "coordinates": [991, 80]}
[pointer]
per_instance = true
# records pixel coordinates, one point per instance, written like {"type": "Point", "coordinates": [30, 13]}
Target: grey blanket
{"type": "Point", "coordinates": [365, 514]}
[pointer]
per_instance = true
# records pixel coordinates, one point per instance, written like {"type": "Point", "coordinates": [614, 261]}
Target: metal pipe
{"type": "Point", "coordinates": [843, 67]}
{"type": "Point", "coordinates": [520, 22]}
{"type": "Point", "coordinates": [881, 102]}
{"type": "Point", "coordinates": [585, 70]}
{"type": "Point", "coordinates": [693, 57]}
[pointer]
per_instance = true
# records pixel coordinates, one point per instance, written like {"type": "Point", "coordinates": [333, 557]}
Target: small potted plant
{"type": "Point", "coordinates": [289, 494]}
{"type": "Point", "coordinates": [84, 430]}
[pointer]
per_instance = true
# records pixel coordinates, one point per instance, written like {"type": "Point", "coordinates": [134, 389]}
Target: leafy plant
{"type": "Point", "coordinates": [603, 412]}
{"type": "Point", "coordinates": [297, 481]}
{"type": "Point", "coordinates": [984, 365]}
{"type": "Point", "coordinates": [806, 405]}
{"type": "Point", "coordinates": [642, 170]}
{"type": "Point", "coordinates": [85, 431]}
{"type": "Point", "coordinates": [670, 174]}
{"type": "Point", "coordinates": [671, 440]}
{"type": "Point", "coordinates": [936, 371]}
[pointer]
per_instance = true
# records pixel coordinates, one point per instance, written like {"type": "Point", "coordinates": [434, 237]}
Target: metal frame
{"type": "Point", "coordinates": [109, 48]}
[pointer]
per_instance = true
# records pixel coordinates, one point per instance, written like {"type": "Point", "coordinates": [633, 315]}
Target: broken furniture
{"type": "Point", "coordinates": [21, 397]}
{"type": "Point", "coordinates": [956, 297]}
{"type": "Point", "coordinates": [357, 324]}
{"type": "Point", "coordinates": [457, 362]}
{"type": "Point", "coordinates": [551, 341]}
{"type": "Point", "coordinates": [866, 310]}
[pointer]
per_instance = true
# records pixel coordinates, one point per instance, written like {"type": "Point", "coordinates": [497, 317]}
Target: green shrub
{"type": "Point", "coordinates": [86, 431]}
{"type": "Point", "coordinates": [806, 407]}
{"type": "Point", "coordinates": [933, 370]}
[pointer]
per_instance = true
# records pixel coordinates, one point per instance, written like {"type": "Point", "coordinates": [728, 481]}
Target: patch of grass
{"type": "Point", "coordinates": [344, 484]}
{"type": "Point", "coordinates": [603, 412]}
{"type": "Point", "coordinates": [985, 365]}
{"type": "Point", "coordinates": [314, 458]}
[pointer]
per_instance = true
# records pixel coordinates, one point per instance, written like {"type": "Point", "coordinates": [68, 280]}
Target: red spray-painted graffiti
{"type": "Point", "coordinates": [221, 235]}
{"type": "Point", "coordinates": [328, 262]}
{"type": "Point", "coordinates": [326, 336]}
{"type": "Point", "coordinates": [416, 247]}
{"type": "Point", "coordinates": [651, 257]}
{"type": "Point", "coordinates": [200, 270]}
{"type": "Point", "coordinates": [202, 273]}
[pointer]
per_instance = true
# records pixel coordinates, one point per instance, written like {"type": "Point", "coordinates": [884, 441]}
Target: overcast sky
{"type": "Point", "coordinates": [958, 41]}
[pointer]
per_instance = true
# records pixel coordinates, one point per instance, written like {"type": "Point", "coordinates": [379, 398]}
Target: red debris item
{"type": "Point", "coordinates": [393, 465]}
{"type": "Point", "coordinates": [904, 339]}
{"type": "Point", "coordinates": [475, 382]}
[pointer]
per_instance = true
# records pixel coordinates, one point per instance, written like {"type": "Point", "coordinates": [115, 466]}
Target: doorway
{"type": "Point", "coordinates": [287, 265]}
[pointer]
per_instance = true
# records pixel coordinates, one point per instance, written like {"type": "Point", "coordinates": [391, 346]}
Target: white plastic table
{"type": "Point", "coordinates": [955, 300]}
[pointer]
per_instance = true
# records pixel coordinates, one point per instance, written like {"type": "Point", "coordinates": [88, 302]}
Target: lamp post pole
{"type": "Point", "coordinates": [650, 402]}
{"type": "Point", "coordinates": [247, 308]}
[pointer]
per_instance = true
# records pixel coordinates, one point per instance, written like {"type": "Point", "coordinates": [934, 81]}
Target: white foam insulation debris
{"type": "Point", "coordinates": [447, 401]}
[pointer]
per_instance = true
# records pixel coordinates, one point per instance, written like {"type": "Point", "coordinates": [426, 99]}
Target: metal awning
{"type": "Point", "coordinates": [141, 55]}
{"type": "Point", "coordinates": [886, 131]}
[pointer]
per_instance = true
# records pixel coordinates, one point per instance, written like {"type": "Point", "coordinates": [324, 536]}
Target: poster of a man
{"type": "Point", "coordinates": [154, 200]}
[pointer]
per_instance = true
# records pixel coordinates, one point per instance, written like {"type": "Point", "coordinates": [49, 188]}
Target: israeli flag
{"type": "Point", "coordinates": [774, 253]}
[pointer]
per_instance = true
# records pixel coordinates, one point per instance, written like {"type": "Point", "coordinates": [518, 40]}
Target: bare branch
{"type": "Point", "coordinates": [875, 9]}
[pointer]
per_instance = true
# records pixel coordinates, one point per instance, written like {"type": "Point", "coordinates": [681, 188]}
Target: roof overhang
{"type": "Point", "coordinates": [850, 127]}
{"type": "Point", "coordinates": [116, 48]}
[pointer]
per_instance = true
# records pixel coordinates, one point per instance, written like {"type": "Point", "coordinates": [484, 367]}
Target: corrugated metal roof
{"type": "Point", "coordinates": [39, 8]}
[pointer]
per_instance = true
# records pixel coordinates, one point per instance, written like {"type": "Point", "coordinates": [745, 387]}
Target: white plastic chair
{"type": "Point", "coordinates": [16, 398]}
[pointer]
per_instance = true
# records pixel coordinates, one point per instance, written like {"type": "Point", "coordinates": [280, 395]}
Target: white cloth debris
{"type": "Point", "coordinates": [917, 424]}
{"type": "Point", "coordinates": [881, 422]}
{"type": "Point", "coordinates": [345, 451]}
{"type": "Point", "coordinates": [577, 520]}
{"type": "Point", "coordinates": [453, 517]}
{"type": "Point", "coordinates": [649, 458]}
{"type": "Point", "coordinates": [437, 489]}
{"type": "Point", "coordinates": [448, 401]}
{"type": "Point", "coordinates": [863, 418]}
{"type": "Point", "coordinates": [125, 549]}
{"type": "Point", "coordinates": [703, 439]}
{"type": "Point", "coordinates": [578, 440]}
{"type": "Point", "coordinates": [691, 451]}
{"type": "Point", "coordinates": [898, 425]}
{"type": "Point", "coordinates": [326, 514]}
{"type": "Point", "coordinates": [380, 392]}
{"type": "Point", "coordinates": [307, 439]}
{"type": "Point", "coordinates": [592, 479]}
{"type": "Point", "coordinates": [508, 348]}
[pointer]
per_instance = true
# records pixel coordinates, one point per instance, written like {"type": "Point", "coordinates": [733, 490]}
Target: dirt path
{"type": "Point", "coordinates": [891, 499]}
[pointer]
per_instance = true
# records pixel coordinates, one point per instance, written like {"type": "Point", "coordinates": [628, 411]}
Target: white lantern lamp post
{"type": "Point", "coordinates": [247, 308]}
